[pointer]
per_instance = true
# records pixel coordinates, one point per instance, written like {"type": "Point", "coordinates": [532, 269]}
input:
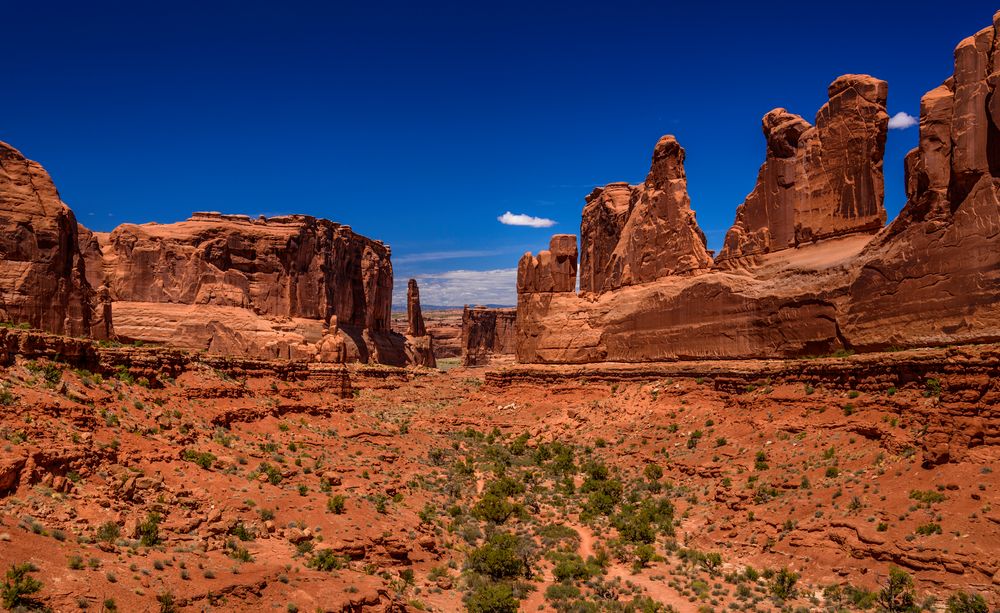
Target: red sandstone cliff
{"type": "Point", "coordinates": [43, 276]}
{"type": "Point", "coordinates": [816, 182]}
{"type": "Point", "coordinates": [419, 344]}
{"type": "Point", "coordinates": [818, 281]}
{"type": "Point", "coordinates": [632, 235]}
{"type": "Point", "coordinates": [487, 332]}
{"type": "Point", "coordinates": [255, 287]}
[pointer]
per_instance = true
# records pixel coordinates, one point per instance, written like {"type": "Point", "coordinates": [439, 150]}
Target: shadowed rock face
{"type": "Point", "coordinates": [816, 182]}
{"type": "Point", "coordinates": [487, 332]}
{"type": "Point", "coordinates": [43, 278]}
{"type": "Point", "coordinates": [604, 218]}
{"type": "Point", "coordinates": [807, 268]}
{"type": "Point", "coordinates": [636, 234]}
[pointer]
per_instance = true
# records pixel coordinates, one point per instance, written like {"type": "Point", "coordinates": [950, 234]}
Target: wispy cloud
{"type": "Point", "coordinates": [520, 219]}
{"type": "Point", "coordinates": [433, 256]}
{"type": "Point", "coordinates": [459, 287]}
{"type": "Point", "coordinates": [902, 121]}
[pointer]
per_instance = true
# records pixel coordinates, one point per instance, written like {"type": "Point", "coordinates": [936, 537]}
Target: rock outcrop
{"type": "Point", "coordinates": [553, 270]}
{"type": "Point", "coordinates": [816, 182]}
{"type": "Point", "coordinates": [414, 318]}
{"type": "Point", "coordinates": [802, 273]}
{"type": "Point", "coordinates": [290, 266]}
{"type": "Point", "coordinates": [631, 235]}
{"type": "Point", "coordinates": [604, 218]}
{"type": "Point", "coordinates": [487, 332]}
{"type": "Point", "coordinates": [263, 288]}
{"type": "Point", "coordinates": [933, 274]}
{"type": "Point", "coordinates": [419, 344]}
{"type": "Point", "coordinates": [43, 276]}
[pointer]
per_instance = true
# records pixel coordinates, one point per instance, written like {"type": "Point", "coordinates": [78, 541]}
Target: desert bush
{"type": "Point", "coordinates": [500, 557]}
{"type": "Point", "coordinates": [18, 586]}
{"type": "Point", "coordinates": [897, 594]}
{"type": "Point", "coordinates": [783, 584]}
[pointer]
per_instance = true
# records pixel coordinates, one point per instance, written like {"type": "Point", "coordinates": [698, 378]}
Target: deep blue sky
{"type": "Point", "coordinates": [420, 124]}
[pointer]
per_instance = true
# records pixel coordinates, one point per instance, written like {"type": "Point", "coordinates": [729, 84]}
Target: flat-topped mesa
{"type": "Point", "coordinates": [636, 234]}
{"type": "Point", "coordinates": [289, 266]}
{"type": "Point", "coordinates": [816, 182]}
{"type": "Point", "coordinates": [43, 277]}
{"type": "Point", "coordinates": [414, 317]}
{"type": "Point", "coordinates": [552, 271]}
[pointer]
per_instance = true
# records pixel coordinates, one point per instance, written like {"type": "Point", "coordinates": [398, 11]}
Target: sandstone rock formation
{"type": "Point", "coordinates": [933, 274]}
{"type": "Point", "coordinates": [604, 217]}
{"type": "Point", "coordinates": [414, 318]}
{"type": "Point", "coordinates": [817, 182]}
{"type": "Point", "coordinates": [419, 344]}
{"type": "Point", "coordinates": [332, 348]}
{"type": "Point", "coordinates": [43, 277]}
{"type": "Point", "coordinates": [554, 270]}
{"type": "Point", "coordinates": [290, 266]}
{"type": "Point", "coordinates": [929, 278]}
{"type": "Point", "coordinates": [632, 235]}
{"type": "Point", "coordinates": [230, 284]}
{"type": "Point", "coordinates": [487, 332]}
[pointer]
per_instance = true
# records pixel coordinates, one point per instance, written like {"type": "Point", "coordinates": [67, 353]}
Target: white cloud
{"type": "Point", "coordinates": [520, 219]}
{"type": "Point", "coordinates": [459, 287]}
{"type": "Point", "coordinates": [902, 121]}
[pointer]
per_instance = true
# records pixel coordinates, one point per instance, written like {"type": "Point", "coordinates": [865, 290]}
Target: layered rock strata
{"type": "Point", "coordinates": [930, 278]}
{"type": "Point", "coordinates": [419, 344]}
{"type": "Point", "coordinates": [816, 181]}
{"type": "Point", "coordinates": [43, 274]}
{"type": "Point", "coordinates": [487, 332]}
{"type": "Point", "coordinates": [635, 234]}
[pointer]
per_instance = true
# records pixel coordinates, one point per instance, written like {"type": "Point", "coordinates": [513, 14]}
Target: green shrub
{"type": "Point", "coordinates": [203, 459]}
{"type": "Point", "coordinates": [500, 557]}
{"type": "Point", "coordinates": [494, 508]}
{"type": "Point", "coordinates": [783, 584]}
{"type": "Point", "coordinates": [18, 586]}
{"type": "Point", "coordinates": [928, 529]}
{"type": "Point", "coordinates": [897, 594]}
{"type": "Point", "coordinates": [928, 496]}
{"type": "Point", "coordinates": [149, 530]}
{"type": "Point", "coordinates": [240, 531]}
{"type": "Point", "coordinates": [336, 504]}
{"type": "Point", "coordinates": [325, 560]}
{"type": "Point", "coordinates": [962, 602]}
{"type": "Point", "coordinates": [492, 598]}
{"type": "Point", "coordinates": [653, 472]}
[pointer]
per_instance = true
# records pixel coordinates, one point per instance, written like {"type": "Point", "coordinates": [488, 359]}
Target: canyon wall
{"type": "Point", "coordinates": [808, 268]}
{"type": "Point", "coordinates": [223, 284]}
{"type": "Point", "coordinates": [487, 332]}
{"type": "Point", "coordinates": [260, 287]}
{"type": "Point", "coordinates": [43, 275]}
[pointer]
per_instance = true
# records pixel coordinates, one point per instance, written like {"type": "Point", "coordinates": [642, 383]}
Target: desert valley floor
{"type": "Point", "coordinates": [775, 485]}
